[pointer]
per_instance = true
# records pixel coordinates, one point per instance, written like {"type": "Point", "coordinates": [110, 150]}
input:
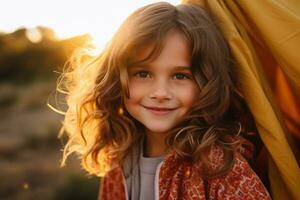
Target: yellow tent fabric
{"type": "Point", "coordinates": [264, 37]}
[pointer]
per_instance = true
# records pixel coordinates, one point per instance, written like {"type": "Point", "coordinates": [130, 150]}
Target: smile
{"type": "Point", "coordinates": [159, 110]}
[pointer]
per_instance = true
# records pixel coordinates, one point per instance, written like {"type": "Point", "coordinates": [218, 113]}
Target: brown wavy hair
{"type": "Point", "coordinates": [102, 132]}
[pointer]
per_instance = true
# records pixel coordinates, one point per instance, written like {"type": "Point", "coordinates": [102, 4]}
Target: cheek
{"type": "Point", "coordinates": [189, 96]}
{"type": "Point", "coordinates": [137, 90]}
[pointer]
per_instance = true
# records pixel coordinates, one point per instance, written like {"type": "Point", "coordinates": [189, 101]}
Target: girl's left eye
{"type": "Point", "coordinates": [142, 74]}
{"type": "Point", "coordinates": [181, 76]}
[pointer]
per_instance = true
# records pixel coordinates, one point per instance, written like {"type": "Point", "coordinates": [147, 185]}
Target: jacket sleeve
{"type": "Point", "coordinates": [112, 186]}
{"type": "Point", "coordinates": [240, 182]}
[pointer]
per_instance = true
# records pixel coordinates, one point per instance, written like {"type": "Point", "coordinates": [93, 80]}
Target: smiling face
{"type": "Point", "coordinates": [162, 90]}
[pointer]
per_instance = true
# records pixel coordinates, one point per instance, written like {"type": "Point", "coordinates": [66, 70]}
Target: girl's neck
{"type": "Point", "coordinates": [155, 144]}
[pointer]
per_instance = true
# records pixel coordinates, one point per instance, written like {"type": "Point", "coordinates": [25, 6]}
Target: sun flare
{"type": "Point", "coordinates": [99, 19]}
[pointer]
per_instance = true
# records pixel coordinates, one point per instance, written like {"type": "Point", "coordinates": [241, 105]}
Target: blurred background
{"type": "Point", "coordinates": [36, 39]}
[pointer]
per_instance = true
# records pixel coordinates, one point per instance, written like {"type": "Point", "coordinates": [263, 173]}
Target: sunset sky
{"type": "Point", "coordinates": [70, 17]}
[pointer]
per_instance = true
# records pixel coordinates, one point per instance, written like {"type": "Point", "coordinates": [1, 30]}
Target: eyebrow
{"type": "Point", "coordinates": [180, 67]}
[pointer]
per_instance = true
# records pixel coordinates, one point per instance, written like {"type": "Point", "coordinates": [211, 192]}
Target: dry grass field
{"type": "Point", "coordinates": [30, 151]}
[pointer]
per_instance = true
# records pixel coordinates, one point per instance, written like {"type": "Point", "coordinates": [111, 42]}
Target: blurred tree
{"type": "Point", "coordinates": [23, 61]}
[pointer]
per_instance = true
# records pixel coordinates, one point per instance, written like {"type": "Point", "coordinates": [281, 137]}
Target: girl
{"type": "Point", "coordinates": [158, 113]}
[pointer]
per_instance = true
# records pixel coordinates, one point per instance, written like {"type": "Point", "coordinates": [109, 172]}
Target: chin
{"type": "Point", "coordinates": [158, 129]}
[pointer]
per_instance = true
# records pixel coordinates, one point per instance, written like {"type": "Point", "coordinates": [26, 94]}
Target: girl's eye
{"type": "Point", "coordinates": [142, 74]}
{"type": "Point", "coordinates": [181, 76]}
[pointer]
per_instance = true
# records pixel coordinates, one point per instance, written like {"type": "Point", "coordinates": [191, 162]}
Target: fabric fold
{"type": "Point", "coordinates": [265, 42]}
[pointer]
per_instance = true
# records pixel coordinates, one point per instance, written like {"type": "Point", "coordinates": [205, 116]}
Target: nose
{"type": "Point", "coordinates": [161, 90]}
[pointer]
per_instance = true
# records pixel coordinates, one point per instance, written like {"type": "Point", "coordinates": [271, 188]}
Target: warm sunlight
{"type": "Point", "coordinates": [69, 18]}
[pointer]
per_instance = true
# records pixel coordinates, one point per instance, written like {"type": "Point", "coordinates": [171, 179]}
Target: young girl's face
{"type": "Point", "coordinates": [162, 90]}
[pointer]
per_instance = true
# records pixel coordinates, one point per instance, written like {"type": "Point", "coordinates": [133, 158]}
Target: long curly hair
{"type": "Point", "coordinates": [102, 132]}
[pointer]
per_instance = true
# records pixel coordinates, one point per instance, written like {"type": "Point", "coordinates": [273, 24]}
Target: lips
{"type": "Point", "coordinates": [159, 110]}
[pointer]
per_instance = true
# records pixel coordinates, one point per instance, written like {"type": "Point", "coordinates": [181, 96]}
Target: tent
{"type": "Point", "coordinates": [264, 37]}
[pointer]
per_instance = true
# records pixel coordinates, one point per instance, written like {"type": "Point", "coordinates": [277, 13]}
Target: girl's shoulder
{"type": "Point", "coordinates": [243, 154]}
{"type": "Point", "coordinates": [112, 185]}
{"type": "Point", "coordinates": [240, 181]}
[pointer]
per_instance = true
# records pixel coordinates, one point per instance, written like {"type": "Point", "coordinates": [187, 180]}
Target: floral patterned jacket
{"type": "Point", "coordinates": [182, 180]}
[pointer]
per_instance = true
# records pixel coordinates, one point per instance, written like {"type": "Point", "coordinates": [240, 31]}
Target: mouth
{"type": "Point", "coordinates": [159, 110]}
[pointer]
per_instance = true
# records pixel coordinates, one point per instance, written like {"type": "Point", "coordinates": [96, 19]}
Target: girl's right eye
{"type": "Point", "coordinates": [142, 74]}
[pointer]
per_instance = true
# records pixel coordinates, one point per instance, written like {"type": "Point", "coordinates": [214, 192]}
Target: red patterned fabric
{"type": "Point", "coordinates": [183, 180]}
{"type": "Point", "coordinates": [112, 186]}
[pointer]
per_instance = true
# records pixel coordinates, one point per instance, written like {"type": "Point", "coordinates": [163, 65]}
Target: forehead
{"type": "Point", "coordinates": [172, 50]}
